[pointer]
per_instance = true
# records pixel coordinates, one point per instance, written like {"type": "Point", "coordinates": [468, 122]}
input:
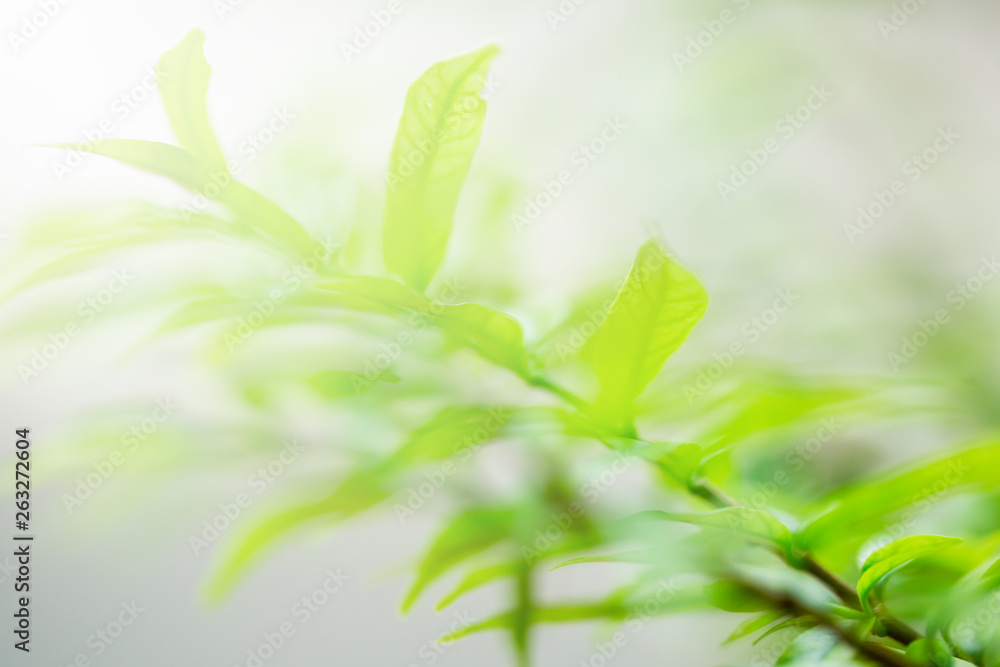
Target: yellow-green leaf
{"type": "Point", "coordinates": [182, 167]}
{"type": "Point", "coordinates": [651, 317]}
{"type": "Point", "coordinates": [435, 143]}
{"type": "Point", "coordinates": [182, 75]}
{"type": "Point", "coordinates": [494, 335]}
{"type": "Point", "coordinates": [752, 523]}
{"type": "Point", "coordinates": [467, 535]}
{"type": "Point", "coordinates": [881, 563]}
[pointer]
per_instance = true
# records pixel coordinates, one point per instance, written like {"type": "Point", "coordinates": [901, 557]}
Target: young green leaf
{"type": "Point", "coordinates": [732, 597]}
{"type": "Point", "coordinates": [436, 140]}
{"type": "Point", "coordinates": [653, 314]}
{"type": "Point", "coordinates": [478, 578]}
{"type": "Point", "coordinates": [182, 75]}
{"type": "Point", "coordinates": [857, 511]}
{"type": "Point", "coordinates": [881, 563]}
{"type": "Point", "coordinates": [494, 335]}
{"type": "Point", "coordinates": [752, 625]}
{"type": "Point", "coordinates": [455, 431]}
{"type": "Point", "coordinates": [752, 523]}
{"type": "Point", "coordinates": [645, 556]}
{"type": "Point", "coordinates": [469, 534]}
{"type": "Point", "coordinates": [185, 169]}
{"type": "Point", "coordinates": [930, 652]}
{"type": "Point", "coordinates": [800, 623]}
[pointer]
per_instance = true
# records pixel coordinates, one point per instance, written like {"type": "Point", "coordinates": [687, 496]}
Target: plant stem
{"type": "Point", "coordinates": [708, 491]}
{"type": "Point", "coordinates": [871, 650]}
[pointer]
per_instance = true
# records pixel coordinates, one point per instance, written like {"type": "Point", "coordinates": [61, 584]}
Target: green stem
{"type": "Point", "coordinates": [708, 491]}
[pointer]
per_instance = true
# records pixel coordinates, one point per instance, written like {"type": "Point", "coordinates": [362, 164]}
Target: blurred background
{"type": "Point", "coordinates": [826, 168]}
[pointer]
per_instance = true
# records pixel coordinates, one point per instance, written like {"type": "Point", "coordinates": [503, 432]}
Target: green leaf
{"type": "Point", "coordinates": [645, 556]}
{"type": "Point", "coordinates": [857, 513]}
{"type": "Point", "coordinates": [360, 491]}
{"type": "Point", "coordinates": [455, 430]}
{"type": "Point", "coordinates": [478, 578]}
{"type": "Point", "coordinates": [338, 384]}
{"type": "Point", "coordinates": [732, 597]}
{"type": "Point", "coordinates": [752, 523]}
{"type": "Point", "coordinates": [800, 622]}
{"type": "Point", "coordinates": [930, 652]}
{"type": "Point", "coordinates": [378, 291]}
{"type": "Point", "coordinates": [653, 314]}
{"type": "Point", "coordinates": [185, 169]}
{"type": "Point", "coordinates": [494, 335]}
{"type": "Point", "coordinates": [183, 74]}
{"type": "Point", "coordinates": [752, 625]}
{"type": "Point", "coordinates": [881, 563]}
{"type": "Point", "coordinates": [469, 534]}
{"type": "Point", "coordinates": [436, 140]}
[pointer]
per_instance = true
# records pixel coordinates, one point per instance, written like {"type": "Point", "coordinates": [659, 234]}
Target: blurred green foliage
{"type": "Point", "coordinates": [773, 542]}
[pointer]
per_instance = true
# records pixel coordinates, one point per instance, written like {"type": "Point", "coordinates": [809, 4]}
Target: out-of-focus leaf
{"type": "Point", "coordinates": [455, 430]}
{"type": "Point", "coordinates": [752, 625]}
{"type": "Point", "coordinates": [881, 563]}
{"type": "Point", "coordinates": [752, 523]}
{"type": "Point", "coordinates": [478, 578]}
{"type": "Point", "coordinates": [182, 75]}
{"type": "Point", "coordinates": [379, 291]}
{"type": "Point", "coordinates": [764, 409]}
{"type": "Point", "coordinates": [732, 597]}
{"type": "Point", "coordinates": [856, 513]}
{"type": "Point", "coordinates": [817, 646]}
{"type": "Point", "coordinates": [653, 314]}
{"type": "Point", "coordinates": [436, 140]}
{"type": "Point", "coordinates": [679, 463]}
{"type": "Point", "coordinates": [337, 384]}
{"type": "Point", "coordinates": [613, 609]}
{"type": "Point", "coordinates": [185, 169]}
{"type": "Point", "coordinates": [800, 623]}
{"type": "Point", "coordinates": [360, 491]}
{"type": "Point", "coordinates": [930, 652]}
{"type": "Point", "coordinates": [647, 556]}
{"type": "Point", "coordinates": [469, 534]}
{"type": "Point", "coordinates": [494, 335]}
